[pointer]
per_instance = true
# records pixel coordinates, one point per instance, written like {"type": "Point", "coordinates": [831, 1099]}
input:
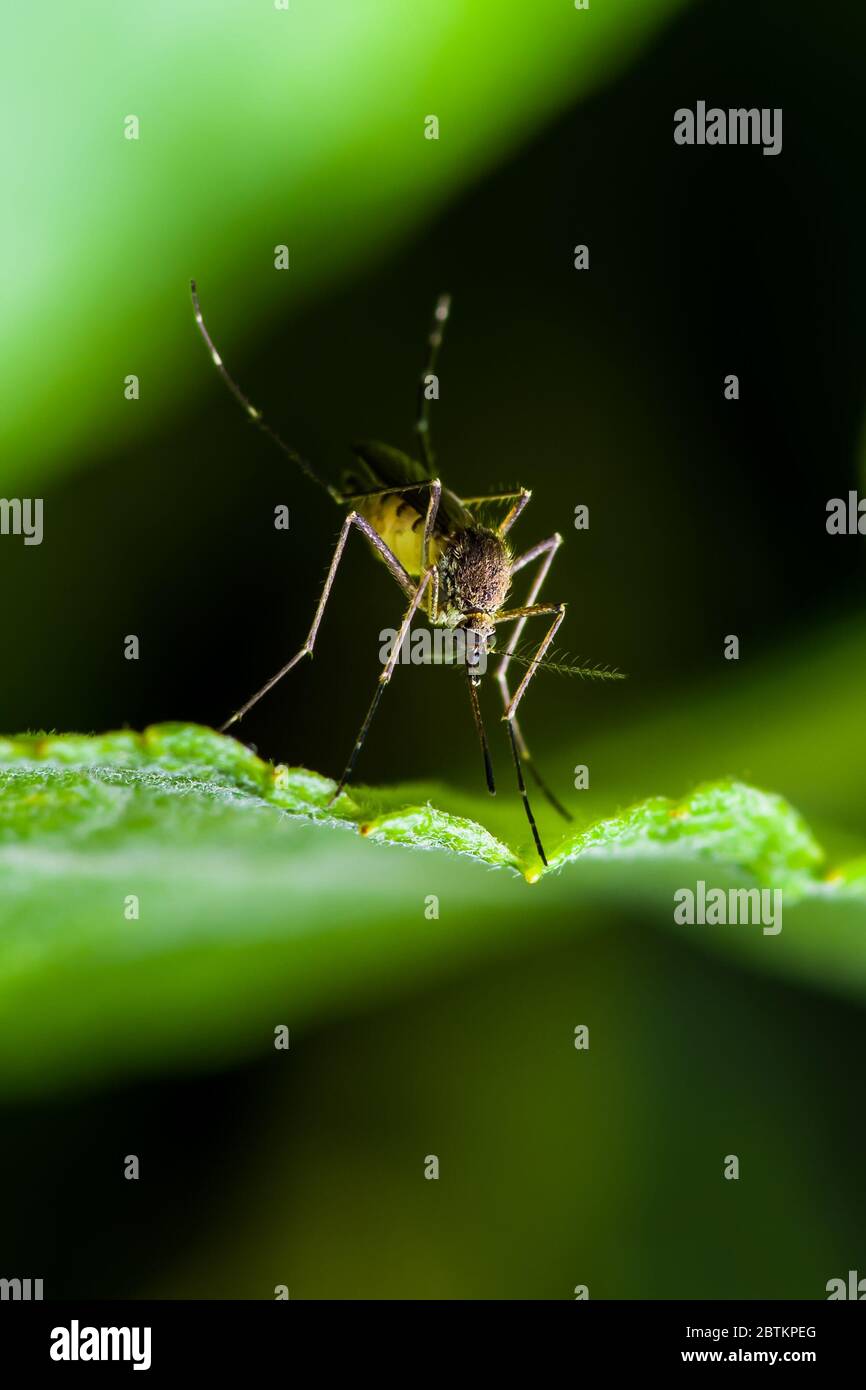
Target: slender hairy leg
{"type": "Point", "coordinates": [390, 491]}
{"type": "Point", "coordinates": [396, 569]}
{"type": "Point", "coordinates": [430, 521]}
{"type": "Point", "coordinates": [434, 486]}
{"type": "Point", "coordinates": [524, 795]}
{"type": "Point", "coordinates": [546, 549]}
{"type": "Point", "coordinates": [434, 343]}
{"type": "Point", "coordinates": [519, 499]}
{"type": "Point", "coordinates": [535, 610]}
{"type": "Point", "coordinates": [482, 736]}
{"type": "Point", "coordinates": [416, 596]}
{"type": "Point", "coordinates": [530, 611]}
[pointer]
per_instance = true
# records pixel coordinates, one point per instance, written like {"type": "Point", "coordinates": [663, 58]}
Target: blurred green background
{"type": "Point", "coordinates": [261, 127]}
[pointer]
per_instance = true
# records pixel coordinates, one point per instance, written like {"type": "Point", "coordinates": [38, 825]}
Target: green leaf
{"type": "Point", "coordinates": [722, 822]}
{"type": "Point", "coordinates": [167, 898]}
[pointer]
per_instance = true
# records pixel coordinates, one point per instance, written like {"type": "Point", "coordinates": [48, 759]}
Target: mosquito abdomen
{"type": "Point", "coordinates": [401, 527]}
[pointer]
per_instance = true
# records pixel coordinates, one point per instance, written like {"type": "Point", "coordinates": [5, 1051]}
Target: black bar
{"type": "Point", "coordinates": [228, 1338]}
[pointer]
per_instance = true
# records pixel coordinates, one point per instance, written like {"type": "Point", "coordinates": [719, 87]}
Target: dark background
{"type": "Point", "coordinates": [707, 518]}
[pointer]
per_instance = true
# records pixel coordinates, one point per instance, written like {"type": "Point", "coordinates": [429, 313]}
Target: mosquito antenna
{"type": "Point", "coordinates": [565, 666]}
{"type": "Point", "coordinates": [252, 411]}
{"type": "Point", "coordinates": [434, 342]}
{"type": "Point", "coordinates": [521, 786]}
{"type": "Point", "coordinates": [482, 737]}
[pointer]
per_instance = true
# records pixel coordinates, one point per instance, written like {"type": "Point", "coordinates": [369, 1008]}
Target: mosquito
{"type": "Point", "coordinates": [453, 570]}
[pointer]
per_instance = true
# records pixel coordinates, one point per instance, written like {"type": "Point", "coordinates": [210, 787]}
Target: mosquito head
{"type": "Point", "coordinates": [479, 639]}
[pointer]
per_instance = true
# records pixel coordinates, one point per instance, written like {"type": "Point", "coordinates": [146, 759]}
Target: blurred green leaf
{"type": "Point", "coordinates": [250, 908]}
{"type": "Point", "coordinates": [258, 127]}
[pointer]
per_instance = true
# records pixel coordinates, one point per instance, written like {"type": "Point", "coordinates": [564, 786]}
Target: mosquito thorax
{"type": "Point", "coordinates": [474, 576]}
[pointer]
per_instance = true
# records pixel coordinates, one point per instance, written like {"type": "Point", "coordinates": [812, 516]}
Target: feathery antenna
{"type": "Point", "coordinates": [252, 411]}
{"type": "Point", "coordinates": [565, 665]}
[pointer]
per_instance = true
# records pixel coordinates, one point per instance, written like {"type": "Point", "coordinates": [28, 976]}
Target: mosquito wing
{"type": "Point", "coordinates": [380, 466]}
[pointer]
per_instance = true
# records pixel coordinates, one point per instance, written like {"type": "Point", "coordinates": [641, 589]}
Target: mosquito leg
{"type": "Point", "coordinates": [534, 611]}
{"type": "Point", "coordinates": [434, 342]}
{"type": "Point", "coordinates": [390, 491]}
{"type": "Point", "coordinates": [417, 595]}
{"type": "Point", "coordinates": [434, 486]}
{"type": "Point", "coordinates": [521, 785]}
{"type": "Point", "coordinates": [496, 497]}
{"type": "Point", "coordinates": [546, 549]}
{"type": "Point", "coordinates": [519, 499]}
{"type": "Point", "coordinates": [396, 569]}
{"type": "Point", "coordinates": [526, 610]}
{"type": "Point", "coordinates": [511, 708]}
{"type": "Point", "coordinates": [431, 573]}
{"type": "Point", "coordinates": [479, 729]}
{"type": "Point", "coordinates": [520, 502]}
{"type": "Point", "coordinates": [433, 602]}
{"type": "Point", "coordinates": [430, 521]}
{"type": "Point", "coordinates": [527, 757]}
